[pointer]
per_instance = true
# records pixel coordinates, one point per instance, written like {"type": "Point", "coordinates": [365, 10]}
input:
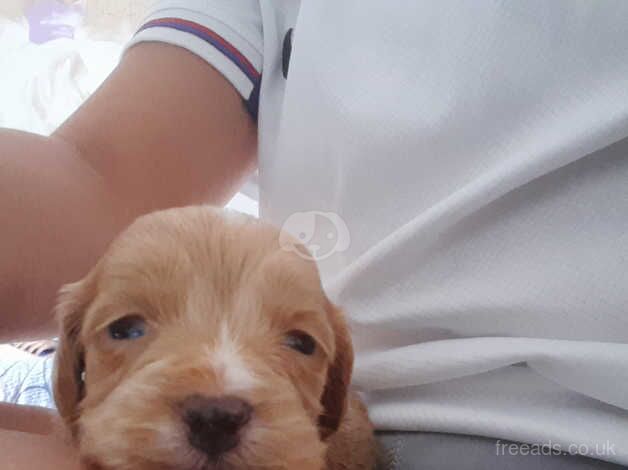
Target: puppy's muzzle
{"type": "Point", "coordinates": [214, 424]}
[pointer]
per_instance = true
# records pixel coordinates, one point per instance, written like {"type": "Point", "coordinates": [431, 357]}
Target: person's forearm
{"type": "Point", "coordinates": [22, 451]}
{"type": "Point", "coordinates": [30, 419]}
{"type": "Point", "coordinates": [57, 217]}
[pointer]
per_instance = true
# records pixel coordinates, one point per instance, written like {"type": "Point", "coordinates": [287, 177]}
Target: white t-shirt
{"type": "Point", "coordinates": [469, 161]}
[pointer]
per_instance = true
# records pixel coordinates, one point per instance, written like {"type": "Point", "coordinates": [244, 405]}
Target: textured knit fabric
{"type": "Point", "coordinates": [25, 379]}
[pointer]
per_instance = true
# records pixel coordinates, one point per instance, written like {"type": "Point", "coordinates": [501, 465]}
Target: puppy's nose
{"type": "Point", "coordinates": [213, 422]}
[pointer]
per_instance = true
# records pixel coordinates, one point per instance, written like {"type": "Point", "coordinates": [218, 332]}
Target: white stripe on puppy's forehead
{"type": "Point", "coordinates": [227, 362]}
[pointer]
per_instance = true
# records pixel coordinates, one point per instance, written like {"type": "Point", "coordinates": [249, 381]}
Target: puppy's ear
{"type": "Point", "coordinates": [70, 359]}
{"type": "Point", "coordinates": [335, 394]}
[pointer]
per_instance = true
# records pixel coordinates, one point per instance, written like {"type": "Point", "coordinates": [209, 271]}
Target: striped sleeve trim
{"type": "Point", "coordinates": [211, 37]}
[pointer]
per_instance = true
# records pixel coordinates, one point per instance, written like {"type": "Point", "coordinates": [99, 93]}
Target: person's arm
{"type": "Point", "coordinates": [28, 419]}
{"type": "Point", "coordinates": [24, 451]}
{"type": "Point", "coordinates": [34, 438]}
{"type": "Point", "coordinates": [164, 130]}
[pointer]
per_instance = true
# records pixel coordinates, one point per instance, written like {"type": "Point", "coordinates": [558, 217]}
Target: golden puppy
{"type": "Point", "coordinates": [197, 343]}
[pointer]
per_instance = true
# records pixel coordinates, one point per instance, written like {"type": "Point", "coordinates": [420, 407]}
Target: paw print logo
{"type": "Point", "coordinates": [322, 233]}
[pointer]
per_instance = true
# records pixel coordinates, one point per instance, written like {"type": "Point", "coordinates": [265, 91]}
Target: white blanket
{"type": "Point", "coordinates": [25, 379]}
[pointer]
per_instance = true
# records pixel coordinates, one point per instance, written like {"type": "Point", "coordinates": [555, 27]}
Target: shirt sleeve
{"type": "Point", "coordinates": [225, 33]}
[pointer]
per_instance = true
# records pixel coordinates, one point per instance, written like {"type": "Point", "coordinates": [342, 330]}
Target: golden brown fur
{"type": "Point", "coordinates": [218, 296]}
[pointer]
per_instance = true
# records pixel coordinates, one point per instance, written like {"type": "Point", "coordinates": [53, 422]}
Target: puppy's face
{"type": "Point", "coordinates": [197, 343]}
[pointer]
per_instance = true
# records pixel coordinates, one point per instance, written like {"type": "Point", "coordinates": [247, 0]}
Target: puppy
{"type": "Point", "coordinates": [197, 343]}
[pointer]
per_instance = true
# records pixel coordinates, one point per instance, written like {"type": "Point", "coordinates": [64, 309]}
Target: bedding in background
{"type": "Point", "coordinates": [42, 84]}
{"type": "Point", "coordinates": [25, 379]}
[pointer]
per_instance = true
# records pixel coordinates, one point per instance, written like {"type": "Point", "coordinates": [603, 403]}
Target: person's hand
{"type": "Point", "coordinates": [34, 438]}
{"type": "Point", "coordinates": [24, 451]}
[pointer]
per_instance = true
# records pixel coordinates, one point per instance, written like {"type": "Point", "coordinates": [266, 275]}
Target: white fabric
{"type": "Point", "coordinates": [478, 154]}
{"type": "Point", "coordinates": [25, 379]}
{"type": "Point", "coordinates": [43, 84]}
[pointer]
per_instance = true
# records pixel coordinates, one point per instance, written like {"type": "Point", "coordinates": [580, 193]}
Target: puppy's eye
{"type": "Point", "coordinates": [129, 327]}
{"type": "Point", "coordinates": [300, 341]}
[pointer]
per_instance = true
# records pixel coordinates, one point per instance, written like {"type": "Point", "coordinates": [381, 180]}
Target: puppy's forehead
{"type": "Point", "coordinates": [178, 249]}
